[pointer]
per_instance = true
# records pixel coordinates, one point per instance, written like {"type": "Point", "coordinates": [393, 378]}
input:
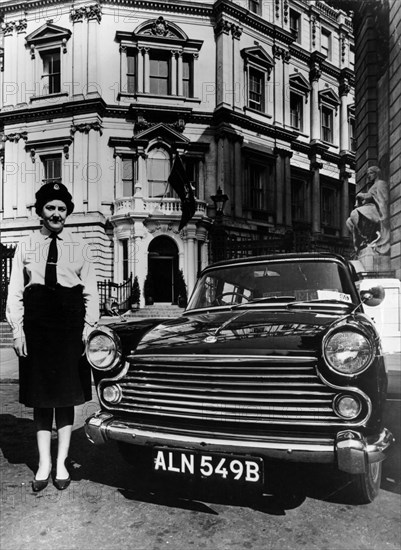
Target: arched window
{"type": "Point", "coordinates": [158, 167]}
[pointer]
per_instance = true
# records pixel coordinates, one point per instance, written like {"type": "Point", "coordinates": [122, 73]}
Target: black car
{"type": "Point", "coordinates": [272, 360]}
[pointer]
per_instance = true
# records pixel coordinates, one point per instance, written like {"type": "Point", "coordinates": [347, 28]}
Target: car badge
{"type": "Point", "coordinates": [211, 339]}
{"type": "Point", "coordinates": [56, 186]}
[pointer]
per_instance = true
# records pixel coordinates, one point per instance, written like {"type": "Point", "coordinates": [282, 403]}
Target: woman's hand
{"type": "Point", "coordinates": [20, 346]}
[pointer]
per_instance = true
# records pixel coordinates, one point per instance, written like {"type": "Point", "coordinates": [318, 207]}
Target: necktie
{"type": "Point", "coordinates": [51, 264]}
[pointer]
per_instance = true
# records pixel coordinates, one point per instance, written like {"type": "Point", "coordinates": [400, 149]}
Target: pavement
{"type": "Point", "coordinates": [9, 370]}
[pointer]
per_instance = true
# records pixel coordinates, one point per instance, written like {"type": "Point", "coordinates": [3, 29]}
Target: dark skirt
{"type": "Point", "coordinates": [54, 373]}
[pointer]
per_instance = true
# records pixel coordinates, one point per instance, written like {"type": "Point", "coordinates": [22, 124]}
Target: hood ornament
{"type": "Point", "coordinates": [211, 339]}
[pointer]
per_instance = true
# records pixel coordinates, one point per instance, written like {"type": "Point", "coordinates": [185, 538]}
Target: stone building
{"type": "Point", "coordinates": [255, 96]}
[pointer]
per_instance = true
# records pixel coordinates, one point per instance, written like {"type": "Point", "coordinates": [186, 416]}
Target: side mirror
{"type": "Point", "coordinates": [372, 297]}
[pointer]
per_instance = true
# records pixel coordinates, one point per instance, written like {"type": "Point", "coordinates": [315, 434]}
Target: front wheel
{"type": "Point", "coordinates": [364, 488]}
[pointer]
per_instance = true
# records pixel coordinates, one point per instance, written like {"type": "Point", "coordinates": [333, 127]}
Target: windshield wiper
{"type": "Point", "coordinates": [263, 300]}
{"type": "Point", "coordinates": [317, 301]}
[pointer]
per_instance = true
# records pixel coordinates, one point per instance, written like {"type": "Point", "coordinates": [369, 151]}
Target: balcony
{"type": "Point", "coordinates": [143, 206]}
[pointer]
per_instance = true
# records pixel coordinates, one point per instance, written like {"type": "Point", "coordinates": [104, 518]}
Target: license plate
{"type": "Point", "coordinates": [241, 470]}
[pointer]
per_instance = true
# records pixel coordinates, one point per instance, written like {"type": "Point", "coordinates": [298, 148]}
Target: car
{"type": "Point", "coordinates": [273, 360]}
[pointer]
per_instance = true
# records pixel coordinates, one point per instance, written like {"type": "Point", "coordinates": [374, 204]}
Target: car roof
{"type": "Point", "coordinates": [281, 256]}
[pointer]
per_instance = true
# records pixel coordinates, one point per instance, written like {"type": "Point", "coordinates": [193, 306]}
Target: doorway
{"type": "Point", "coordinates": [163, 269]}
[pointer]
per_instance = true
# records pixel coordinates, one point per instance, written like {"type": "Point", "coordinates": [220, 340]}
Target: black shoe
{"type": "Point", "coordinates": [61, 484]}
{"type": "Point", "coordinates": [39, 484]}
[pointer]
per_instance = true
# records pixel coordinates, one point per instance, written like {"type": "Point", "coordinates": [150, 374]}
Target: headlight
{"type": "Point", "coordinates": [112, 394]}
{"type": "Point", "coordinates": [348, 352]}
{"type": "Point", "coordinates": [347, 406]}
{"type": "Point", "coordinates": [103, 349]}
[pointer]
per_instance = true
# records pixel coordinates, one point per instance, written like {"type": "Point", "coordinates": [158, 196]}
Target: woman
{"type": "Point", "coordinates": [52, 306]}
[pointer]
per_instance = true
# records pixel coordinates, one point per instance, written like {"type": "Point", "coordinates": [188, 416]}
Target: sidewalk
{"type": "Point", "coordinates": [9, 370]}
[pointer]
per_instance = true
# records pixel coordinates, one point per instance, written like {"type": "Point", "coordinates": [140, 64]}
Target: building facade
{"type": "Point", "coordinates": [256, 97]}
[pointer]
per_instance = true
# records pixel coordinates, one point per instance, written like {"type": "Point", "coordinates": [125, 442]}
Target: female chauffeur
{"type": "Point", "coordinates": [52, 306]}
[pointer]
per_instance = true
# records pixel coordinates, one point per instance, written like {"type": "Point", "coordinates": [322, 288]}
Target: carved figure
{"type": "Point", "coordinates": [369, 221]}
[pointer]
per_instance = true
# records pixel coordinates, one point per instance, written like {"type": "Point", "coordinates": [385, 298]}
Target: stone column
{"type": "Point", "coordinates": [10, 92]}
{"type": "Point", "coordinates": [146, 70]}
{"type": "Point", "coordinates": [191, 258]}
{"type": "Point", "coordinates": [287, 176]}
{"type": "Point", "coordinates": [140, 68]}
{"type": "Point", "coordinates": [286, 88]}
{"type": "Point", "coordinates": [123, 70]}
{"type": "Point", "coordinates": [315, 167]}
{"type": "Point", "coordinates": [173, 72]}
{"type": "Point", "coordinates": [344, 89]}
{"type": "Point", "coordinates": [94, 169]}
{"type": "Point", "coordinates": [278, 87]}
{"type": "Point", "coordinates": [180, 88]}
{"type": "Point", "coordinates": [237, 75]}
{"type": "Point", "coordinates": [79, 163]}
{"type": "Point", "coordinates": [10, 178]}
{"type": "Point", "coordinates": [314, 76]}
{"type": "Point", "coordinates": [94, 16]}
{"type": "Point", "coordinates": [224, 63]}
{"type": "Point", "coordinates": [345, 207]}
{"type": "Point", "coordinates": [197, 90]}
{"type": "Point", "coordinates": [79, 53]}
{"type": "Point", "coordinates": [279, 185]}
{"type": "Point", "coordinates": [237, 199]}
{"type": "Point", "coordinates": [20, 61]}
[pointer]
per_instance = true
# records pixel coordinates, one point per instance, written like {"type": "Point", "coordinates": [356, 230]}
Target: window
{"type": "Point", "coordinates": [255, 6]}
{"type": "Point", "coordinates": [51, 76]}
{"type": "Point", "coordinates": [256, 90]}
{"type": "Point", "coordinates": [192, 171]}
{"type": "Point", "coordinates": [124, 243]}
{"type": "Point", "coordinates": [128, 176]}
{"type": "Point", "coordinates": [327, 124]}
{"type": "Point", "coordinates": [187, 76]}
{"type": "Point", "coordinates": [295, 25]}
{"type": "Point", "coordinates": [259, 193]}
{"type": "Point", "coordinates": [296, 110]}
{"type": "Point", "coordinates": [158, 166]}
{"type": "Point", "coordinates": [326, 43]}
{"type": "Point", "coordinates": [298, 200]}
{"type": "Point", "coordinates": [131, 78]}
{"type": "Point", "coordinates": [329, 210]}
{"type": "Point", "coordinates": [352, 140]}
{"type": "Point", "coordinates": [159, 74]}
{"type": "Point", "coordinates": [52, 168]}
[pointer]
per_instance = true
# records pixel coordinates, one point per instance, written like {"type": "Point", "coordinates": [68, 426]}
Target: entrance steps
{"type": "Point", "coordinates": [6, 335]}
{"type": "Point", "coordinates": [158, 310]}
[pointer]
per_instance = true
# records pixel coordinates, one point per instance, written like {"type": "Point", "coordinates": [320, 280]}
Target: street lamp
{"type": "Point", "coordinates": [219, 200]}
{"type": "Point", "coordinates": [219, 236]}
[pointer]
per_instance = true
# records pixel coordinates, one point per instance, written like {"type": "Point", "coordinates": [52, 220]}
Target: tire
{"type": "Point", "coordinates": [364, 488]}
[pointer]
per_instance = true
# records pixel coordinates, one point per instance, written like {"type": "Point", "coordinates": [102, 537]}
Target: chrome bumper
{"type": "Point", "coordinates": [350, 450]}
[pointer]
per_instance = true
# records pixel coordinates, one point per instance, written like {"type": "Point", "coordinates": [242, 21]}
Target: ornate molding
{"type": "Point", "coordinates": [86, 127]}
{"type": "Point", "coordinates": [15, 137]}
{"type": "Point", "coordinates": [236, 31]}
{"type": "Point", "coordinates": [94, 11]}
{"type": "Point", "coordinates": [222, 26]}
{"type": "Point", "coordinates": [19, 25]}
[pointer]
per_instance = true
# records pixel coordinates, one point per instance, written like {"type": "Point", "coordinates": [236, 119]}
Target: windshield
{"type": "Point", "coordinates": [273, 281]}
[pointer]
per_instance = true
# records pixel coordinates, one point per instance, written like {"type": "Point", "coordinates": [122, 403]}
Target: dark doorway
{"type": "Point", "coordinates": [163, 268]}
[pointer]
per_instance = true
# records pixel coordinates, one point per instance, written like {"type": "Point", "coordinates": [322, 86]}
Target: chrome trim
{"type": "Point", "coordinates": [107, 381]}
{"type": "Point", "coordinates": [117, 354]}
{"type": "Point", "coordinates": [355, 452]}
{"type": "Point", "coordinates": [350, 450]}
{"type": "Point", "coordinates": [220, 358]}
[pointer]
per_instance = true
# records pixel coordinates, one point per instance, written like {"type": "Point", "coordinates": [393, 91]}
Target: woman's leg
{"type": "Point", "coordinates": [43, 419]}
{"type": "Point", "coordinates": [64, 423]}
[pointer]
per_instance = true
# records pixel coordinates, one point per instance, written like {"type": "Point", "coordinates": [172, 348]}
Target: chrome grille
{"type": "Point", "coordinates": [227, 390]}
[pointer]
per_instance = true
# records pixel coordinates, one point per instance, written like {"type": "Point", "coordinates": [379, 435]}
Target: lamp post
{"type": "Point", "coordinates": [219, 237]}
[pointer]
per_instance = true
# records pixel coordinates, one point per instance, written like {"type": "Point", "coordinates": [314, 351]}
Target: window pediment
{"type": "Point", "coordinates": [47, 34]}
{"type": "Point", "coordinates": [164, 132]}
{"type": "Point", "coordinates": [329, 98]}
{"type": "Point", "coordinates": [257, 56]}
{"type": "Point", "coordinates": [160, 28]}
{"type": "Point", "coordinates": [299, 83]}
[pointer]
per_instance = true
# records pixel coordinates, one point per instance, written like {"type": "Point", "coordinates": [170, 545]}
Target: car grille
{"type": "Point", "coordinates": [250, 391]}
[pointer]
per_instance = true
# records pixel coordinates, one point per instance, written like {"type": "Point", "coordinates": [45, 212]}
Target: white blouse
{"type": "Point", "coordinates": [75, 266]}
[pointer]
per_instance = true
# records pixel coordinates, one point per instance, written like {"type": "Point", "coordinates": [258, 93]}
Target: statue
{"type": "Point", "coordinates": [369, 221]}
